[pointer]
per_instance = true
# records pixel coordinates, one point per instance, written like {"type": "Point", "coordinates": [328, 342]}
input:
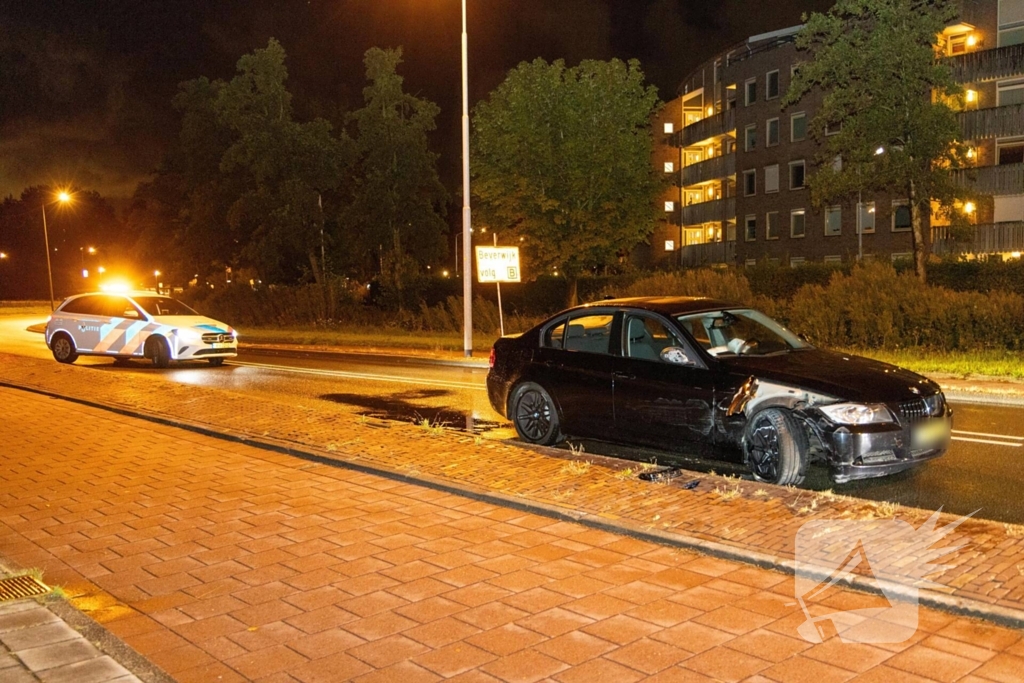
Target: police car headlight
{"type": "Point", "coordinates": [191, 336]}
{"type": "Point", "coordinates": [857, 413]}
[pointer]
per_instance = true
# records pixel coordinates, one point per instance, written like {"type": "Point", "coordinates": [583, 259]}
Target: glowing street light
{"type": "Point", "coordinates": [82, 251]}
{"type": "Point", "coordinates": [63, 197]}
{"type": "Point", "coordinates": [3, 255]}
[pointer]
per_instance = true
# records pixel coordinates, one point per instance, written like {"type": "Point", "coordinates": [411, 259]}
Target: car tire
{"type": "Point", "coordinates": [158, 352]}
{"type": "Point", "coordinates": [216, 362]}
{"type": "Point", "coordinates": [775, 447]}
{"type": "Point", "coordinates": [534, 415]}
{"type": "Point", "coordinates": [63, 348]}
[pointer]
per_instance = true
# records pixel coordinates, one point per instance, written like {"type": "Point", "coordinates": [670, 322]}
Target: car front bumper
{"type": "Point", "coordinates": [866, 451]}
{"type": "Point", "coordinates": [201, 351]}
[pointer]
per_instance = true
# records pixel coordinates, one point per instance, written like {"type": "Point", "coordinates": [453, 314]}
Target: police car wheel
{"type": "Point", "coordinates": [158, 352]}
{"type": "Point", "coordinates": [216, 362]}
{"type": "Point", "coordinates": [63, 349]}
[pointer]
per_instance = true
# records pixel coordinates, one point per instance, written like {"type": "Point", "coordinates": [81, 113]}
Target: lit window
{"type": "Point", "coordinates": [772, 133]}
{"type": "Point", "coordinates": [750, 183]}
{"type": "Point", "coordinates": [750, 228]}
{"type": "Point", "coordinates": [833, 220]}
{"type": "Point", "coordinates": [670, 245]}
{"type": "Point", "coordinates": [771, 89]}
{"type": "Point", "coordinates": [867, 217]}
{"type": "Point", "coordinates": [669, 128]}
{"type": "Point", "coordinates": [797, 175]}
{"type": "Point", "coordinates": [798, 127]}
{"type": "Point", "coordinates": [771, 225]}
{"type": "Point", "coordinates": [797, 224]}
{"type": "Point", "coordinates": [670, 167]}
{"type": "Point", "coordinates": [771, 178]}
{"type": "Point", "coordinates": [670, 206]}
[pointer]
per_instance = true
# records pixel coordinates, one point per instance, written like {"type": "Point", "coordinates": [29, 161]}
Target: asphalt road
{"type": "Point", "coordinates": [981, 472]}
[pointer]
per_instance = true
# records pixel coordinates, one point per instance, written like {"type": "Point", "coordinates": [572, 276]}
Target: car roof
{"type": "Point", "coordinates": [133, 294]}
{"type": "Point", "coordinates": [666, 305]}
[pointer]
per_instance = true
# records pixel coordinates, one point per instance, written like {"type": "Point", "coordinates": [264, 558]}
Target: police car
{"type": "Point", "coordinates": [136, 325]}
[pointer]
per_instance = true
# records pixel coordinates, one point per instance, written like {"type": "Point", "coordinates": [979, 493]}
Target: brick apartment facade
{"type": "Point", "coordinates": [739, 161]}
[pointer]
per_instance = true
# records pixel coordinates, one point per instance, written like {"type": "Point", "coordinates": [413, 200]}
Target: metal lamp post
{"type": "Point", "coordinates": [467, 264]}
{"type": "Point", "coordinates": [63, 198]}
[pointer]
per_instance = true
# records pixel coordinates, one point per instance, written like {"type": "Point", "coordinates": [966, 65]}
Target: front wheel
{"type": "Point", "coordinates": [158, 352]}
{"type": "Point", "coordinates": [63, 349]}
{"type": "Point", "coordinates": [216, 362]}
{"type": "Point", "coordinates": [534, 415]}
{"type": "Point", "coordinates": [776, 448]}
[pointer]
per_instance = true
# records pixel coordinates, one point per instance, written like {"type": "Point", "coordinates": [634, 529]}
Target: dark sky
{"type": "Point", "coordinates": [85, 85]}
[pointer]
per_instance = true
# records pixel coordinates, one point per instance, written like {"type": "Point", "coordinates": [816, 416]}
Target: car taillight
{"type": "Point", "coordinates": [490, 361]}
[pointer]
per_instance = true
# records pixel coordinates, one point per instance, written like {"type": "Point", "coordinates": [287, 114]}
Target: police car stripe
{"type": "Point", "coordinates": [111, 334]}
{"type": "Point", "coordinates": [134, 337]}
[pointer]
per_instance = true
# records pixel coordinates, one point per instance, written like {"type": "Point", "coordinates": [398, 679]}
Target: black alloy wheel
{"type": "Point", "coordinates": [776, 448]}
{"type": "Point", "coordinates": [158, 352]}
{"type": "Point", "coordinates": [534, 415]}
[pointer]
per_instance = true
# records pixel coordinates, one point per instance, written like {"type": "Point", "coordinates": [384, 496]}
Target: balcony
{"type": "Point", "coordinates": [715, 168]}
{"type": "Point", "coordinates": [710, 127]}
{"type": "Point", "coordinates": [696, 255]}
{"type": "Point", "coordinates": [994, 180]}
{"type": "Point", "coordinates": [715, 211]}
{"type": "Point", "coordinates": [994, 122]}
{"type": "Point", "coordinates": [992, 238]}
{"type": "Point", "coordinates": [988, 65]}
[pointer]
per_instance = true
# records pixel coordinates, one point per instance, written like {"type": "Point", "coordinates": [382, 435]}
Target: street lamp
{"type": "Point", "coordinates": [467, 266]}
{"type": "Point", "coordinates": [860, 207]}
{"type": "Point", "coordinates": [81, 253]}
{"type": "Point", "coordinates": [63, 197]}
{"type": "Point", "coordinates": [156, 281]}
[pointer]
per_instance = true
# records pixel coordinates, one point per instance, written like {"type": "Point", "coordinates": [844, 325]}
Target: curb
{"type": "Point", "coordinates": [929, 598]}
{"type": "Point", "coordinates": [401, 357]}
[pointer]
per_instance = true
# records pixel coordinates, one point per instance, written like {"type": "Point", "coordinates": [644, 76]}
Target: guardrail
{"type": "Point", "coordinates": [715, 211]}
{"type": "Point", "coordinates": [988, 65]}
{"type": "Point", "coordinates": [995, 180]}
{"type": "Point", "coordinates": [982, 124]}
{"type": "Point", "coordinates": [694, 255]}
{"type": "Point", "coordinates": [715, 168]}
{"type": "Point", "coordinates": [989, 238]}
{"type": "Point", "coordinates": [712, 126]}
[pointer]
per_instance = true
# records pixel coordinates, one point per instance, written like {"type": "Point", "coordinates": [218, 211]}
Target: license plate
{"type": "Point", "coordinates": [220, 345]}
{"type": "Point", "coordinates": [929, 434]}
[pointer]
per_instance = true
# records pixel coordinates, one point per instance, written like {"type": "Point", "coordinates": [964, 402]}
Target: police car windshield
{"type": "Point", "coordinates": [162, 305]}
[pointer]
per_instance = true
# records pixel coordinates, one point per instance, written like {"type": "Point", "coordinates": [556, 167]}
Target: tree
{"type": "Point", "coordinates": [884, 83]}
{"type": "Point", "coordinates": [398, 201]}
{"type": "Point", "coordinates": [562, 159]}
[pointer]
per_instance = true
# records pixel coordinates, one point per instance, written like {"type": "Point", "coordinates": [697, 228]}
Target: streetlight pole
{"type": "Point", "coordinates": [467, 264]}
{"type": "Point", "coordinates": [46, 242]}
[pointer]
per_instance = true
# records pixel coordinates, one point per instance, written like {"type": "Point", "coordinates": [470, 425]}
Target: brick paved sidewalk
{"type": "Point", "coordinates": [730, 517]}
{"type": "Point", "coordinates": [224, 562]}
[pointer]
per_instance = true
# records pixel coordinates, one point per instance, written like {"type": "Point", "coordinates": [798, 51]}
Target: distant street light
{"type": "Point", "coordinates": [81, 253]}
{"type": "Point", "coordinates": [3, 254]}
{"type": "Point", "coordinates": [63, 197]}
{"type": "Point", "coordinates": [156, 281]}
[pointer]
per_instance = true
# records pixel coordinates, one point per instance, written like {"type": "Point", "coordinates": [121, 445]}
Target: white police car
{"type": "Point", "coordinates": [136, 325]}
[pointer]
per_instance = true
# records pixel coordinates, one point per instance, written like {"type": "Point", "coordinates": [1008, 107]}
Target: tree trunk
{"type": "Point", "coordinates": [399, 275]}
{"type": "Point", "coordinates": [920, 241]}
{"type": "Point", "coordinates": [572, 293]}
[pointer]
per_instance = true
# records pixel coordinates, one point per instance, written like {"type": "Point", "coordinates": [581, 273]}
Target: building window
{"type": "Point", "coordinates": [670, 206]}
{"type": "Point", "coordinates": [669, 128]}
{"type": "Point", "coordinates": [1009, 152]}
{"type": "Point", "coordinates": [796, 261]}
{"type": "Point", "coordinates": [901, 220]}
{"type": "Point", "coordinates": [797, 224]}
{"type": "Point", "coordinates": [1010, 93]}
{"type": "Point", "coordinates": [750, 90]}
{"type": "Point", "coordinates": [750, 262]}
{"type": "Point", "coordinates": [750, 228]}
{"type": "Point", "coordinates": [903, 256]}
{"type": "Point", "coordinates": [750, 138]}
{"type": "Point", "coordinates": [796, 175]}
{"type": "Point", "coordinates": [771, 88]}
{"type": "Point", "coordinates": [771, 133]}
{"type": "Point", "coordinates": [730, 231]}
{"type": "Point", "coordinates": [833, 128]}
{"type": "Point", "coordinates": [833, 220]}
{"type": "Point", "coordinates": [771, 231]}
{"type": "Point", "coordinates": [750, 183]}
{"type": "Point", "coordinates": [834, 260]}
{"type": "Point", "coordinates": [867, 217]}
{"type": "Point", "coordinates": [798, 127]}
{"type": "Point", "coordinates": [771, 178]}
{"type": "Point", "coordinates": [670, 245]}
{"type": "Point", "coordinates": [670, 167]}
{"type": "Point", "coordinates": [1011, 22]}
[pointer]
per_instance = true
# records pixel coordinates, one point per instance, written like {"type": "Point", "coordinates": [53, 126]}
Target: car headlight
{"type": "Point", "coordinates": [857, 413]}
{"type": "Point", "coordinates": [935, 404]}
{"type": "Point", "coordinates": [189, 335]}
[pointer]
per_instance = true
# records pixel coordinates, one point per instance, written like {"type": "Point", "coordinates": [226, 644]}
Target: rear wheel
{"type": "Point", "coordinates": [534, 415]}
{"type": "Point", "coordinates": [158, 352]}
{"type": "Point", "coordinates": [776, 448]}
{"type": "Point", "coordinates": [216, 362]}
{"type": "Point", "coordinates": [63, 348]}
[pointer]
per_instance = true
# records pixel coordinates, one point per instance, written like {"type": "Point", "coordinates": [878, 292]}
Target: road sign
{"type": "Point", "coordinates": [498, 264]}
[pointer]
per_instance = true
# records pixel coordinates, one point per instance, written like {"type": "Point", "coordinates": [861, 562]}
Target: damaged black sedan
{"type": "Point", "coordinates": [709, 379]}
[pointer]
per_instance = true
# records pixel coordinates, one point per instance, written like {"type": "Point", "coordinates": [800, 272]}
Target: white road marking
{"type": "Point", "coordinates": [364, 376]}
{"type": "Point", "coordinates": [994, 443]}
{"type": "Point", "coordinates": [994, 436]}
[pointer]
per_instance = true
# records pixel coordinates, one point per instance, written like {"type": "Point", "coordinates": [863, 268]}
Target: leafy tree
{"type": "Point", "coordinates": [562, 159]}
{"type": "Point", "coordinates": [398, 201]}
{"type": "Point", "coordinates": [884, 83]}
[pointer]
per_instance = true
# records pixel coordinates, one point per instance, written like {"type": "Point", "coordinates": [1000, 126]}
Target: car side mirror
{"type": "Point", "coordinates": [675, 356]}
{"type": "Point", "coordinates": [131, 313]}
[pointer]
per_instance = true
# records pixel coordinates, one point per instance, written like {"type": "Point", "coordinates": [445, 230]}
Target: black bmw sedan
{"type": "Point", "coordinates": [710, 379]}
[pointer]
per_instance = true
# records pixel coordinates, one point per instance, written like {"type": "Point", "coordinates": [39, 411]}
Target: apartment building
{"type": "Point", "coordinates": [739, 161]}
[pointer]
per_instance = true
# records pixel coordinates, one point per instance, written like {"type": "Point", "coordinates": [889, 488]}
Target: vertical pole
{"type": "Point", "coordinates": [49, 271]}
{"type": "Point", "coordinates": [501, 315]}
{"type": "Point", "coordinates": [860, 230]}
{"type": "Point", "coordinates": [467, 264]}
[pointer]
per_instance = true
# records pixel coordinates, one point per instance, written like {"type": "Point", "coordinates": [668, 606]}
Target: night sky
{"type": "Point", "coordinates": [85, 85]}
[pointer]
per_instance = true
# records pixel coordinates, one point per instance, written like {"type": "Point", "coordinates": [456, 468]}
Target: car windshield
{"type": "Point", "coordinates": [741, 332]}
{"type": "Point", "coordinates": [162, 305]}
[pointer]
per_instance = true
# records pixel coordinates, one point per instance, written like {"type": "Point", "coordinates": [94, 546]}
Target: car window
{"type": "Point", "coordinates": [739, 332]}
{"type": "Point", "coordinates": [589, 333]}
{"type": "Point", "coordinates": [163, 305]}
{"type": "Point", "coordinates": [119, 307]}
{"type": "Point", "coordinates": [646, 338]}
{"type": "Point", "coordinates": [554, 336]}
{"type": "Point", "coordinates": [83, 305]}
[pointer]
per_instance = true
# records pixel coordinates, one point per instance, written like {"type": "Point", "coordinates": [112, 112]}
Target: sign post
{"type": "Point", "coordinates": [498, 264]}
